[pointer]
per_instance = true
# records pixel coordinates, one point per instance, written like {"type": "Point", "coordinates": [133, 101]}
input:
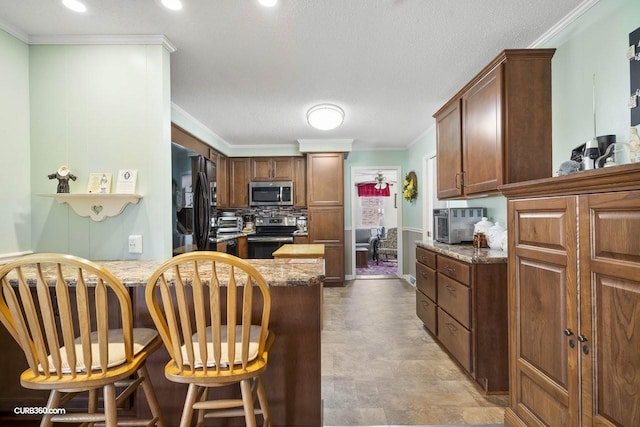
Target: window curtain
{"type": "Point", "coordinates": [370, 190]}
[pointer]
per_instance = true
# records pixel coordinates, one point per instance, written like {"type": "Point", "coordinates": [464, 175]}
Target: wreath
{"type": "Point", "coordinates": [410, 187]}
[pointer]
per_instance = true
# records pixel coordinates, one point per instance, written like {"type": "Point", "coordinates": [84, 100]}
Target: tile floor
{"type": "Point", "coordinates": [381, 368]}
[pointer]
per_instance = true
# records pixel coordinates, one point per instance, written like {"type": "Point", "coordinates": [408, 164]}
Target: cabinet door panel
{"type": "Point", "coordinates": [482, 134]}
{"type": "Point", "coordinates": [542, 300]}
{"type": "Point", "coordinates": [610, 298]}
{"type": "Point", "coordinates": [449, 149]}
{"type": "Point", "coordinates": [325, 182]}
{"type": "Point", "coordinates": [282, 168]}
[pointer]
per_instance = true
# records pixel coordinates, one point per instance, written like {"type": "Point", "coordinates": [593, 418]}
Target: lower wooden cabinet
{"type": "Point", "coordinates": [574, 280]}
{"type": "Point", "coordinates": [464, 307]}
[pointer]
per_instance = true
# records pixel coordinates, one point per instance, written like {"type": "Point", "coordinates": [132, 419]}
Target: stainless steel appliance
{"type": "Point", "coordinates": [229, 224]}
{"type": "Point", "coordinates": [277, 193]}
{"type": "Point", "coordinates": [271, 233]}
{"type": "Point", "coordinates": [455, 225]}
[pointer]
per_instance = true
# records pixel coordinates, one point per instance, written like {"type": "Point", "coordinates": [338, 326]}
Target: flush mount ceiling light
{"type": "Point", "coordinates": [75, 5]}
{"type": "Point", "coordinates": [325, 116]}
{"type": "Point", "coordinates": [268, 3]}
{"type": "Point", "coordinates": [172, 4]}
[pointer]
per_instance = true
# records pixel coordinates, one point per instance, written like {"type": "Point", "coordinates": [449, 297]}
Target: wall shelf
{"type": "Point", "coordinates": [96, 206]}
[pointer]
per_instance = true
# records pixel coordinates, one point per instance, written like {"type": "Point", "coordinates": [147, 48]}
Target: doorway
{"type": "Point", "coordinates": [376, 216]}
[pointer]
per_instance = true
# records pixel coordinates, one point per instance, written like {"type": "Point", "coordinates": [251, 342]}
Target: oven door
{"type": "Point", "coordinates": [263, 248]}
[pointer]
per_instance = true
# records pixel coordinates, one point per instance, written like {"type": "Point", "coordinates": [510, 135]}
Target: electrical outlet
{"type": "Point", "coordinates": [135, 244]}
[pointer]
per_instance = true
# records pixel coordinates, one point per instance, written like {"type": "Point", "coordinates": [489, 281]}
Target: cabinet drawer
{"type": "Point", "coordinates": [426, 280]}
{"type": "Point", "coordinates": [457, 270]}
{"type": "Point", "coordinates": [454, 298]}
{"type": "Point", "coordinates": [426, 311]}
{"type": "Point", "coordinates": [456, 338]}
{"type": "Point", "coordinates": [426, 257]}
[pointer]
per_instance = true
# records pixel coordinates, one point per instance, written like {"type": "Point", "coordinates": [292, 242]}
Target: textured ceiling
{"type": "Point", "coordinates": [249, 73]}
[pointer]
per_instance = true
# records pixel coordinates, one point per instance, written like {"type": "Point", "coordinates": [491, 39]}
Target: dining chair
{"type": "Point", "coordinates": [73, 320]}
{"type": "Point", "coordinates": [212, 311]}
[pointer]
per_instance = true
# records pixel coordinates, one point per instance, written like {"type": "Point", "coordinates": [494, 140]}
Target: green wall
{"type": "Point", "coordinates": [15, 192]}
{"type": "Point", "coordinates": [596, 43]}
{"type": "Point", "coordinates": [101, 109]}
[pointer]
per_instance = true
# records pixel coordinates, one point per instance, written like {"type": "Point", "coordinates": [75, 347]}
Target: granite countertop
{"type": "Point", "coordinates": [466, 253]}
{"type": "Point", "coordinates": [229, 236]}
{"type": "Point", "coordinates": [277, 272]}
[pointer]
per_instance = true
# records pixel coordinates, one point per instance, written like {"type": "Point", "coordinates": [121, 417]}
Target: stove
{"type": "Point", "coordinates": [271, 233]}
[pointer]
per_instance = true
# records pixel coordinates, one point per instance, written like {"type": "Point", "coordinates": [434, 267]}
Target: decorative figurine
{"type": "Point", "coordinates": [63, 174]}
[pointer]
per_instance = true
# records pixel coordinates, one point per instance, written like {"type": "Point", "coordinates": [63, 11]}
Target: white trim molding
{"type": "Point", "coordinates": [580, 10]}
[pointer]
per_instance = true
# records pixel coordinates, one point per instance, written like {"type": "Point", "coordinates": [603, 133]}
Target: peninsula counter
{"type": "Point", "coordinates": [292, 380]}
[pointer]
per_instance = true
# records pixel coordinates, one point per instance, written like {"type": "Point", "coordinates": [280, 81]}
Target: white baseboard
{"type": "Point", "coordinates": [14, 255]}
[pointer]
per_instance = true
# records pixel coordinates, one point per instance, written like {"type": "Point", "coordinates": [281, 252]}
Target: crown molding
{"type": "Point", "coordinates": [104, 40]}
{"type": "Point", "coordinates": [15, 32]}
{"type": "Point", "coordinates": [580, 10]}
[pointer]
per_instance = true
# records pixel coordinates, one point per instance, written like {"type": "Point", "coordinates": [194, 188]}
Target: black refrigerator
{"type": "Point", "coordinates": [195, 176]}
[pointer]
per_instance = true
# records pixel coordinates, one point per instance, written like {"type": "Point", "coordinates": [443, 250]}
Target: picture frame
{"type": "Point", "coordinates": [99, 183]}
{"type": "Point", "coordinates": [127, 179]}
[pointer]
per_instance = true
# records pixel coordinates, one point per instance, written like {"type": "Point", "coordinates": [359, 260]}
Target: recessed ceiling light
{"type": "Point", "coordinates": [75, 5]}
{"type": "Point", "coordinates": [172, 4]}
{"type": "Point", "coordinates": [325, 116]}
{"type": "Point", "coordinates": [268, 3]}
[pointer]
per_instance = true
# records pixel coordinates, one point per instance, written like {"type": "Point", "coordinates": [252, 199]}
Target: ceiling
{"type": "Point", "coordinates": [249, 73]}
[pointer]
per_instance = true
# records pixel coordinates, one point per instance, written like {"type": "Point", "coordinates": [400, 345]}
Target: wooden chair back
{"type": "Point", "coordinates": [198, 298]}
{"type": "Point", "coordinates": [55, 327]}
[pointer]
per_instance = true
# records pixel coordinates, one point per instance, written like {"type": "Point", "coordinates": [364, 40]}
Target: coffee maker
{"type": "Point", "coordinates": [595, 152]}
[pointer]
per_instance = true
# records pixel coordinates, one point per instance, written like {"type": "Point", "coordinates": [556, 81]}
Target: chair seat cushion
{"type": "Point", "coordinates": [224, 359]}
{"type": "Point", "coordinates": [141, 338]}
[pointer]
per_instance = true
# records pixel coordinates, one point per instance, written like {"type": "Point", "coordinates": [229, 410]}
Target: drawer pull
{"type": "Point", "coordinates": [451, 328]}
{"type": "Point", "coordinates": [450, 270]}
{"type": "Point", "coordinates": [451, 289]}
{"type": "Point", "coordinates": [425, 304]}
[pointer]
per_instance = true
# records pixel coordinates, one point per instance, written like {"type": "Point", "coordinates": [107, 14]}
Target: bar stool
{"type": "Point", "coordinates": [212, 312]}
{"type": "Point", "coordinates": [73, 320]}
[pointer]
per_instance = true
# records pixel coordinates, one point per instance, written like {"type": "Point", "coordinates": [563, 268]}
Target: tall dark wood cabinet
{"type": "Point", "coordinates": [574, 298]}
{"type": "Point", "coordinates": [497, 129]}
{"type": "Point", "coordinates": [239, 178]}
{"type": "Point", "coordinates": [325, 210]}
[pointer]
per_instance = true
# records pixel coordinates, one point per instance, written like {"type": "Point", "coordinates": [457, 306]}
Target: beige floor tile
{"type": "Point", "coordinates": [380, 367]}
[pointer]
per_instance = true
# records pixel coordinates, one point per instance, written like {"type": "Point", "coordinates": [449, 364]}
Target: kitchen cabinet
{"type": "Point", "coordinates": [325, 179]}
{"type": "Point", "coordinates": [271, 168]}
{"type": "Point", "coordinates": [464, 306]}
{"type": "Point", "coordinates": [238, 182]}
{"type": "Point", "coordinates": [222, 182]}
{"type": "Point", "coordinates": [299, 182]}
{"type": "Point", "coordinates": [497, 129]}
{"type": "Point", "coordinates": [300, 239]}
{"type": "Point", "coordinates": [325, 210]}
{"type": "Point", "coordinates": [574, 280]}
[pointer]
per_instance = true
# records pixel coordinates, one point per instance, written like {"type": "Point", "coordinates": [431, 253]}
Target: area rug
{"type": "Point", "coordinates": [384, 268]}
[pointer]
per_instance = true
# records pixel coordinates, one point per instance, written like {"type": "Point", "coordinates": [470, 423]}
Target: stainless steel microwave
{"type": "Point", "coordinates": [455, 225]}
{"type": "Point", "coordinates": [275, 193]}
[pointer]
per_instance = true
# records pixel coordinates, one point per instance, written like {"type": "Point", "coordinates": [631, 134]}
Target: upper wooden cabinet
{"type": "Point", "coordinates": [222, 182]}
{"type": "Point", "coordinates": [271, 168]}
{"type": "Point", "coordinates": [497, 129]}
{"type": "Point", "coordinates": [238, 182]}
{"type": "Point", "coordinates": [299, 182]}
{"type": "Point", "coordinates": [325, 179]}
